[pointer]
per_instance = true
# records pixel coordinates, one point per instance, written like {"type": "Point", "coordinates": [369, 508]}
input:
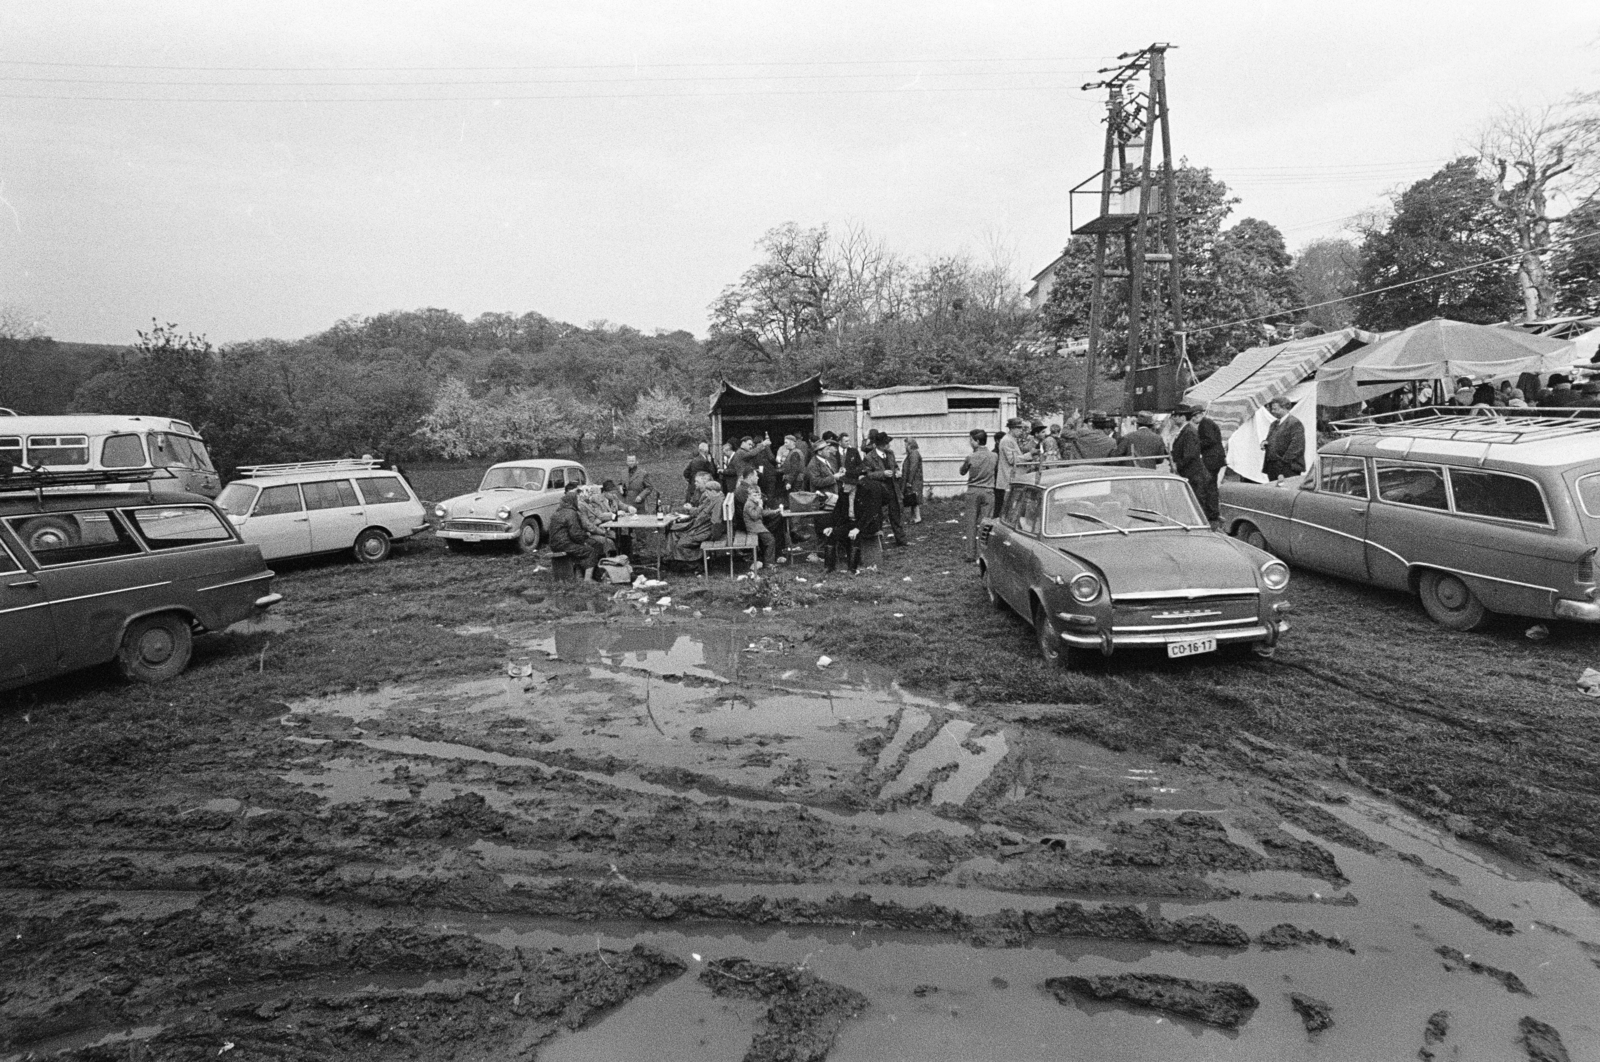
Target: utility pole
{"type": "Point", "coordinates": [1131, 207]}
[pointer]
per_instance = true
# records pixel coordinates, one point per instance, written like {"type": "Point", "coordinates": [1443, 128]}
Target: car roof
{"type": "Point", "coordinates": [57, 500]}
{"type": "Point", "coordinates": [1545, 441]}
{"type": "Point", "coordinates": [1053, 477]}
{"type": "Point", "coordinates": [545, 463]}
{"type": "Point", "coordinates": [281, 478]}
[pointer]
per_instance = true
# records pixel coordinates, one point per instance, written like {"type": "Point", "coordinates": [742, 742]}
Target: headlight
{"type": "Point", "coordinates": [438, 510]}
{"type": "Point", "coordinates": [503, 514]}
{"type": "Point", "coordinates": [1085, 588]}
{"type": "Point", "coordinates": [1275, 574]}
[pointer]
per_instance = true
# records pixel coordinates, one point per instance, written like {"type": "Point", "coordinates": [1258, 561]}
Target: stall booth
{"type": "Point", "coordinates": [938, 416]}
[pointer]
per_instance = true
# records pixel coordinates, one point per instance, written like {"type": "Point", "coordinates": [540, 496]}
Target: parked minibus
{"type": "Point", "coordinates": [72, 441]}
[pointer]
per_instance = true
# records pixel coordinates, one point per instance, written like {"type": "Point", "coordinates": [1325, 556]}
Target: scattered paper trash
{"type": "Point", "coordinates": [791, 673]}
{"type": "Point", "coordinates": [799, 578]}
{"type": "Point", "coordinates": [1537, 633]}
{"type": "Point", "coordinates": [952, 521]}
{"type": "Point", "coordinates": [751, 611]}
{"type": "Point", "coordinates": [905, 578]}
{"type": "Point", "coordinates": [824, 661]}
{"type": "Point", "coordinates": [899, 615]}
{"type": "Point", "coordinates": [1589, 682]}
{"type": "Point", "coordinates": [664, 602]}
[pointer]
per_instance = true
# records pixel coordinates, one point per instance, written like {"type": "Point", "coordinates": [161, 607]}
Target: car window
{"type": "Point", "coordinates": [8, 563]}
{"type": "Point", "coordinates": [558, 480]}
{"type": "Point", "coordinates": [1499, 495]}
{"type": "Point", "coordinates": [1030, 506]}
{"type": "Point", "coordinates": [382, 490]}
{"type": "Point", "coordinates": [576, 475]}
{"type": "Point", "coordinates": [122, 451]}
{"type": "Point", "coordinates": [1343, 475]}
{"type": "Point", "coordinates": [1588, 490]}
{"type": "Point", "coordinates": [528, 478]}
{"type": "Point", "coordinates": [1409, 484]}
{"type": "Point", "coordinates": [275, 501]}
{"type": "Point", "coordinates": [329, 494]}
{"type": "Point", "coordinates": [172, 526]}
{"type": "Point", "coordinates": [1010, 514]}
{"type": "Point", "coordinates": [1133, 504]}
{"type": "Point", "coordinates": [66, 538]}
{"type": "Point", "coordinates": [236, 498]}
{"type": "Point", "coordinates": [11, 449]}
{"type": "Point", "coordinates": [44, 450]}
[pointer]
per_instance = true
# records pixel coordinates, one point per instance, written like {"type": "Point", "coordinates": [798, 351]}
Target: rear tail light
{"type": "Point", "coordinates": [1586, 567]}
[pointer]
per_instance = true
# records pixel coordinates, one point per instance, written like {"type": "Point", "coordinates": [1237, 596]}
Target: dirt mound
{"type": "Point", "coordinates": [804, 1012]}
{"type": "Point", "coordinates": [1314, 1013]}
{"type": "Point", "coordinates": [1221, 1003]}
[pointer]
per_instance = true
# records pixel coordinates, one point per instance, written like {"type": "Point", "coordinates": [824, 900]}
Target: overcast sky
{"type": "Point", "coordinates": [618, 161]}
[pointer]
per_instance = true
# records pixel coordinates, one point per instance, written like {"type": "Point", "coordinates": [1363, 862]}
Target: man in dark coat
{"type": "Point", "coordinates": [1188, 461]}
{"type": "Point", "coordinates": [1212, 451]}
{"type": "Point", "coordinates": [857, 516]}
{"type": "Point", "coordinates": [700, 462]}
{"type": "Point", "coordinates": [878, 466]}
{"type": "Point", "coordinates": [1285, 449]}
{"type": "Point", "coordinates": [1143, 443]}
{"type": "Point", "coordinates": [911, 480]}
{"type": "Point", "coordinates": [568, 536]}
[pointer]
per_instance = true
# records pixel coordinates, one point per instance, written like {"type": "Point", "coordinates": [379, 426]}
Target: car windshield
{"type": "Point", "coordinates": [512, 479]}
{"type": "Point", "coordinates": [236, 498]}
{"type": "Point", "coordinates": [1103, 506]}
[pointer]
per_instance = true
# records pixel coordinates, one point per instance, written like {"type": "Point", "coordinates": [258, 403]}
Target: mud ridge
{"type": "Point", "coordinates": [1512, 982]}
{"type": "Point", "coordinates": [804, 1012]}
{"type": "Point", "coordinates": [1224, 1004]}
{"type": "Point", "coordinates": [1492, 924]}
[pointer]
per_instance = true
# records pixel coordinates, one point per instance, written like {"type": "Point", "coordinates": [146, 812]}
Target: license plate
{"type": "Point", "coordinates": [472, 538]}
{"type": "Point", "coordinates": [1191, 648]}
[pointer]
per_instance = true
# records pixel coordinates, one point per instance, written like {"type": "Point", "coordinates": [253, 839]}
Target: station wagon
{"type": "Point", "coordinates": [88, 576]}
{"type": "Point", "coordinates": [1474, 512]}
{"type": "Point", "coordinates": [295, 510]}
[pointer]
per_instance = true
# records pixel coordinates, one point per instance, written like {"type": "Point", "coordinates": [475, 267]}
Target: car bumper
{"type": "Point", "coordinates": [477, 536]}
{"type": "Point", "coordinates": [1259, 632]}
{"type": "Point", "coordinates": [1587, 611]}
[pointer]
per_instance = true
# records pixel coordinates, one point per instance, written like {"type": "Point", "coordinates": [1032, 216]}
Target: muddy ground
{"type": "Point", "coordinates": [445, 808]}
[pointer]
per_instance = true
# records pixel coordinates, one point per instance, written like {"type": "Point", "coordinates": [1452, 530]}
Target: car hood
{"type": "Point", "coordinates": [1166, 561]}
{"type": "Point", "coordinates": [488, 503]}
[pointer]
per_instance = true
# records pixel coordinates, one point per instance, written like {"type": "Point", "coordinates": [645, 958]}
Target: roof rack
{"type": "Point", "coordinates": [343, 464]}
{"type": "Point", "coordinates": [15, 478]}
{"type": "Point", "coordinates": [1499, 425]}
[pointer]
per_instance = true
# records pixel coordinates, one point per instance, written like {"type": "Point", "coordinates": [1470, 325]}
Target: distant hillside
{"type": "Point", "coordinates": [40, 376]}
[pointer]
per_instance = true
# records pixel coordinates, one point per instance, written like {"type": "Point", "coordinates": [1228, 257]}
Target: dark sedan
{"type": "Point", "coordinates": [1100, 558]}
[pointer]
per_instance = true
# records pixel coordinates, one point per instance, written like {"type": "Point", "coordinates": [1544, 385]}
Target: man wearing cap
{"type": "Point", "coordinates": [1284, 452]}
{"type": "Point", "coordinates": [1143, 442]}
{"type": "Point", "coordinates": [1009, 455]}
{"type": "Point", "coordinates": [1188, 462]}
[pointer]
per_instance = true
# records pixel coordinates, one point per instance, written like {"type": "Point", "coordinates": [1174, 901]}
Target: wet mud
{"type": "Point", "coordinates": [685, 840]}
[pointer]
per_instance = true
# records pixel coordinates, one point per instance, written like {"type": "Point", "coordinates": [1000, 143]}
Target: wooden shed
{"type": "Point", "coordinates": [938, 416]}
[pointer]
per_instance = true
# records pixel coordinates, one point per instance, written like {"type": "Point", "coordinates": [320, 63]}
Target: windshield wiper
{"type": "Point", "coordinates": [1096, 519]}
{"type": "Point", "coordinates": [1161, 515]}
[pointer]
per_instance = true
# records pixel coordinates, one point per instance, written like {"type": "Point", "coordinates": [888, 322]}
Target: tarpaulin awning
{"type": "Point", "coordinates": [1438, 350]}
{"type": "Point", "coordinates": [1256, 376]}
{"type": "Point", "coordinates": [794, 397]}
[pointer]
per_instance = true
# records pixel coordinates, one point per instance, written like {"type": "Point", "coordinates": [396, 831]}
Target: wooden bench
{"type": "Point", "coordinates": [566, 567]}
{"type": "Point", "coordinates": [732, 541]}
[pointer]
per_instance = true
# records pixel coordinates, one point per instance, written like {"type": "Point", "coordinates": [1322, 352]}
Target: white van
{"type": "Point", "coordinates": [295, 510]}
{"type": "Point", "coordinates": [94, 442]}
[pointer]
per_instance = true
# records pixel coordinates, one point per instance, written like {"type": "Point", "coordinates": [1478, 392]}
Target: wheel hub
{"type": "Point", "coordinates": [1452, 594]}
{"type": "Point", "coordinates": [156, 647]}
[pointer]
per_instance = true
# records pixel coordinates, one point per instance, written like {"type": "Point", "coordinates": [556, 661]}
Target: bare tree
{"type": "Point", "coordinates": [16, 323]}
{"type": "Point", "coordinates": [1526, 154]}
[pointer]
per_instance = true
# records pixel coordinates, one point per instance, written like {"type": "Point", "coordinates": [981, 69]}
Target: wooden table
{"type": "Point", "coordinates": [665, 524]}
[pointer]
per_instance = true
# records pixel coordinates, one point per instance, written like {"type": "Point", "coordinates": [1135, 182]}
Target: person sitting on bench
{"type": "Point", "coordinates": [568, 536]}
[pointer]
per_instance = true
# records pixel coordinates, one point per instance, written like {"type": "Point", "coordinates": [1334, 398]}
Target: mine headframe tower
{"type": "Point", "coordinates": [1136, 201]}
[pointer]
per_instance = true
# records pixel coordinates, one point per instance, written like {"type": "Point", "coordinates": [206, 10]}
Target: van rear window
{"type": "Point", "coordinates": [1498, 495]}
{"type": "Point", "coordinates": [381, 490]}
{"type": "Point", "coordinates": [11, 449]}
{"type": "Point", "coordinates": [1589, 494]}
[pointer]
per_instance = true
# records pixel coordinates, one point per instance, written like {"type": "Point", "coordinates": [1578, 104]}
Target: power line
{"type": "Point", "coordinates": [1391, 287]}
{"type": "Point", "coordinates": [550, 96]}
{"type": "Point", "coordinates": [555, 66]}
{"type": "Point", "coordinates": [537, 81]}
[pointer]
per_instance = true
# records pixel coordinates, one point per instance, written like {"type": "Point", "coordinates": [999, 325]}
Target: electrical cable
{"type": "Point", "coordinates": [1390, 287]}
{"type": "Point", "coordinates": [536, 81]}
{"type": "Point", "coordinates": [553, 66]}
{"type": "Point", "coordinates": [547, 96]}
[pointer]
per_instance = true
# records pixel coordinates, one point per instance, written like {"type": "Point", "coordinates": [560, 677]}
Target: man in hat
{"type": "Point", "coordinates": [1588, 396]}
{"type": "Point", "coordinates": [1009, 453]}
{"type": "Point", "coordinates": [878, 464]}
{"type": "Point", "coordinates": [1188, 462]}
{"type": "Point", "coordinates": [1143, 442]}
{"type": "Point", "coordinates": [1559, 394]}
{"type": "Point", "coordinates": [1092, 439]}
{"type": "Point", "coordinates": [1285, 449]}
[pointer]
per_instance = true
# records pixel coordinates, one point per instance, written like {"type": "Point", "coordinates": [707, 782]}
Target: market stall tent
{"type": "Point", "coordinates": [1438, 350]}
{"type": "Point", "coordinates": [1234, 393]}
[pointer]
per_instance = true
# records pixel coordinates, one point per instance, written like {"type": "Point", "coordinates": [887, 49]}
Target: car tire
{"type": "Point", "coordinates": [1251, 535]}
{"type": "Point", "coordinates": [996, 602]}
{"type": "Point", "coordinates": [372, 546]}
{"type": "Point", "coordinates": [1451, 602]}
{"type": "Point", "coordinates": [155, 648]}
{"type": "Point", "coordinates": [48, 532]}
{"type": "Point", "coordinates": [1051, 648]}
{"type": "Point", "coordinates": [528, 536]}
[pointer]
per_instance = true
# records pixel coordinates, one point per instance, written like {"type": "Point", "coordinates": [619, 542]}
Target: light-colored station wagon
{"type": "Point", "coordinates": [513, 503]}
{"type": "Point", "coordinates": [1475, 512]}
{"type": "Point", "coordinates": [295, 510]}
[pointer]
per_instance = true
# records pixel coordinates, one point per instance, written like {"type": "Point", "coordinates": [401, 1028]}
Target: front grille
{"type": "Point", "coordinates": [1182, 613]}
{"type": "Point", "coordinates": [477, 527]}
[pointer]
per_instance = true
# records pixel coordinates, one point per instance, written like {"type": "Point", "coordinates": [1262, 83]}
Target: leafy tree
{"type": "Point", "coordinates": [660, 419]}
{"type": "Point", "coordinates": [1575, 266]}
{"type": "Point", "coordinates": [461, 425]}
{"type": "Point", "coordinates": [1323, 270]}
{"type": "Point", "coordinates": [1444, 222]}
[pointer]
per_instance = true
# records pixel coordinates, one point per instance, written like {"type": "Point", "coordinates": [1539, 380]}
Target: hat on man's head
{"type": "Point", "coordinates": [1102, 420]}
{"type": "Point", "coordinates": [1037, 429]}
{"type": "Point", "coordinates": [884, 438]}
{"type": "Point", "coordinates": [1592, 387]}
{"type": "Point", "coordinates": [829, 436]}
{"type": "Point", "coordinates": [1016, 422]}
{"type": "Point", "coordinates": [1187, 410]}
{"type": "Point", "coordinates": [1145, 418]}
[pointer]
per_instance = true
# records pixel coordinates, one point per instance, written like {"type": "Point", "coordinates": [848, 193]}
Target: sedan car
{"type": "Point", "coordinates": [1101, 559]}
{"type": "Point", "coordinates": [514, 504]}
{"type": "Point", "coordinates": [88, 576]}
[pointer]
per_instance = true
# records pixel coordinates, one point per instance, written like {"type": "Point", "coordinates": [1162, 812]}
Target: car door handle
{"type": "Point", "coordinates": [24, 582]}
{"type": "Point", "coordinates": [302, 520]}
{"type": "Point", "coordinates": [1358, 508]}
